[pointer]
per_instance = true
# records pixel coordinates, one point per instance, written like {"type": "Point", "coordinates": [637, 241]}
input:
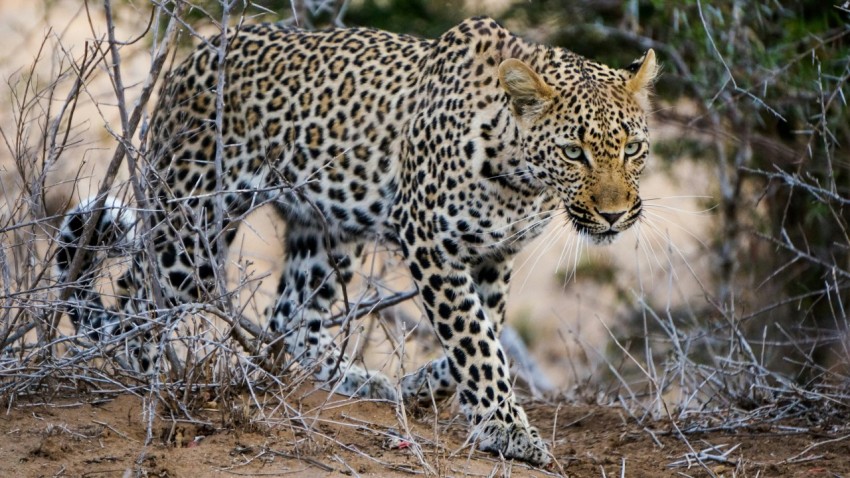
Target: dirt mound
{"type": "Point", "coordinates": [323, 434]}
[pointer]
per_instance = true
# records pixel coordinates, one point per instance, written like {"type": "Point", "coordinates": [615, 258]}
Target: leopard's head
{"type": "Point", "coordinates": [584, 134]}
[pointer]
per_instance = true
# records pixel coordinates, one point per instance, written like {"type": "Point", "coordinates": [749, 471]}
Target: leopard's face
{"type": "Point", "coordinates": [588, 140]}
{"type": "Point", "coordinates": [591, 148]}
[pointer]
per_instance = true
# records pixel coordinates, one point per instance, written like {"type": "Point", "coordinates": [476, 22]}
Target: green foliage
{"type": "Point", "coordinates": [425, 18]}
{"type": "Point", "coordinates": [679, 147]}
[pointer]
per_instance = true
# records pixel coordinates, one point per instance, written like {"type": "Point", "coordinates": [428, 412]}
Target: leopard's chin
{"type": "Point", "coordinates": [602, 239]}
{"type": "Point", "coordinates": [597, 238]}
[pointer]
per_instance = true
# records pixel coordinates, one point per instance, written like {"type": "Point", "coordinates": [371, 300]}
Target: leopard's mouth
{"type": "Point", "coordinates": [596, 232]}
{"type": "Point", "coordinates": [599, 238]}
{"type": "Point", "coordinates": [593, 232]}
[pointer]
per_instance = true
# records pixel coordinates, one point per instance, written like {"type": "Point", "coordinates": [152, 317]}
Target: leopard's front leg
{"type": "Point", "coordinates": [491, 277]}
{"type": "Point", "coordinates": [474, 356]}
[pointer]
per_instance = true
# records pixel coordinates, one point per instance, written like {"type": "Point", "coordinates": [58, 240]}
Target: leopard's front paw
{"type": "Point", "coordinates": [514, 440]}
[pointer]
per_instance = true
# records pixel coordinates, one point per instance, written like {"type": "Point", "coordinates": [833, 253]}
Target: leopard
{"type": "Point", "coordinates": [457, 150]}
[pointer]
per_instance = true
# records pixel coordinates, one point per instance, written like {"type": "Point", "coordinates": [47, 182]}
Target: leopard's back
{"type": "Point", "coordinates": [321, 113]}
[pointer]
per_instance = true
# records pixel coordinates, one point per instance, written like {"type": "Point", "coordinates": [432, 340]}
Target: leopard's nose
{"type": "Point", "coordinates": [611, 217]}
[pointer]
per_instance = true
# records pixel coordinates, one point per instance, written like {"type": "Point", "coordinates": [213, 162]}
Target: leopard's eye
{"type": "Point", "coordinates": [574, 153]}
{"type": "Point", "coordinates": [632, 148]}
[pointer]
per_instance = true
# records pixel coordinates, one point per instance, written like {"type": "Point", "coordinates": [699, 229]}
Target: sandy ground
{"type": "Point", "coordinates": [332, 436]}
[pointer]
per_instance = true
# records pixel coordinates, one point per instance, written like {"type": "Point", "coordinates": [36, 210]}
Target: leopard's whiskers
{"type": "Point", "coordinates": [675, 210]}
{"type": "Point", "coordinates": [661, 238]}
{"type": "Point", "coordinates": [518, 173]}
{"type": "Point", "coordinates": [522, 219]}
{"type": "Point", "coordinates": [684, 196]}
{"type": "Point", "coordinates": [642, 242]}
{"type": "Point", "coordinates": [517, 236]}
{"type": "Point", "coordinates": [572, 243]}
{"type": "Point", "coordinates": [654, 216]}
{"type": "Point", "coordinates": [538, 252]}
{"type": "Point", "coordinates": [645, 244]}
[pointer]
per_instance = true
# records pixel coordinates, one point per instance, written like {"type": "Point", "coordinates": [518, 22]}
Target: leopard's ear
{"type": "Point", "coordinates": [642, 73]}
{"type": "Point", "coordinates": [528, 92]}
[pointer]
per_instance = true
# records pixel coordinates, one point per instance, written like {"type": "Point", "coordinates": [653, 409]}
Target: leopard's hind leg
{"type": "Point", "coordinates": [315, 271]}
{"type": "Point", "coordinates": [115, 234]}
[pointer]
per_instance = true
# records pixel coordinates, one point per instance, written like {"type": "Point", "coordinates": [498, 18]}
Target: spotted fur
{"type": "Point", "coordinates": [458, 149]}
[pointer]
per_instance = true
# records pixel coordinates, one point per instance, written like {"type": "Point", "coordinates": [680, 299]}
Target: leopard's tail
{"type": "Point", "coordinates": [114, 234]}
